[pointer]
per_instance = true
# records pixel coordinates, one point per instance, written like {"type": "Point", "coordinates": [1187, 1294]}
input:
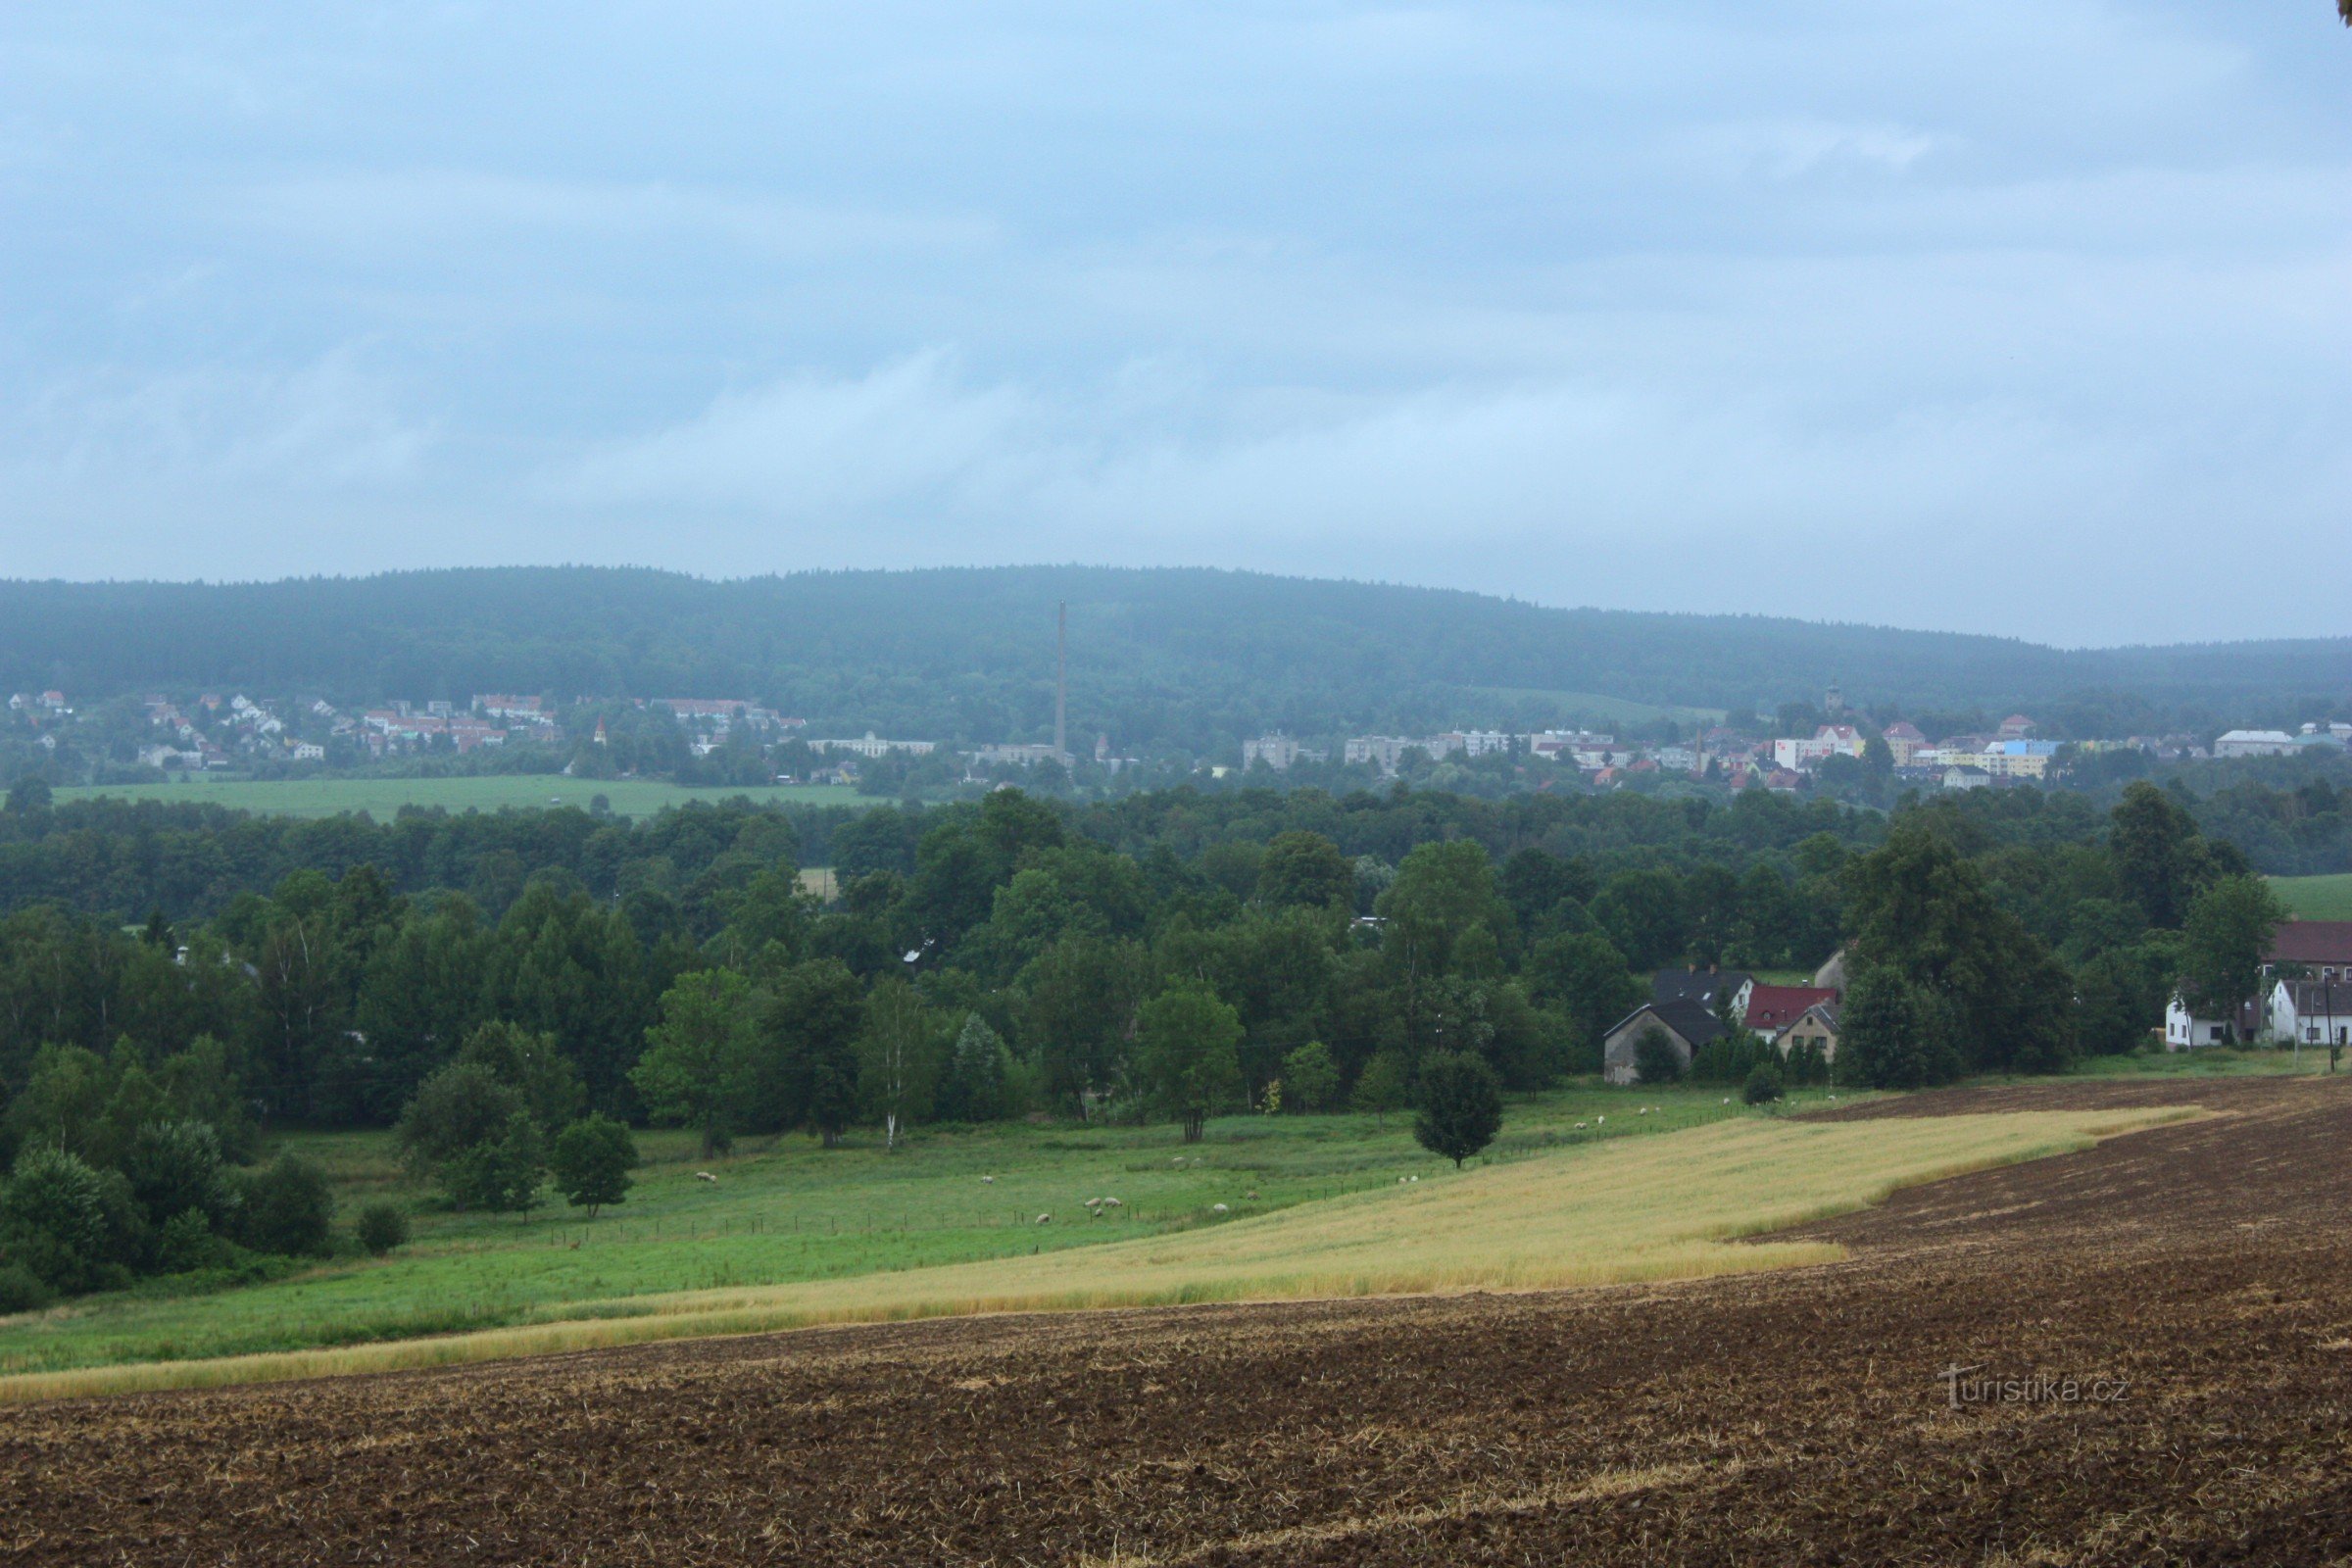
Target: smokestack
{"type": "Point", "coordinates": [1061, 683]}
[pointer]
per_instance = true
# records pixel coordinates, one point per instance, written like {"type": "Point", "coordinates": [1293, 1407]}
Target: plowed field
{"type": "Point", "coordinates": [2190, 1287]}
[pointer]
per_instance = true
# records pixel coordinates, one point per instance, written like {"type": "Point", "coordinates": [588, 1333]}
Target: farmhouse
{"type": "Point", "coordinates": [2189, 1030]}
{"type": "Point", "coordinates": [1772, 1009]}
{"type": "Point", "coordinates": [2313, 1013]}
{"type": "Point", "coordinates": [1817, 1027]}
{"type": "Point", "coordinates": [1685, 1025]}
{"type": "Point", "coordinates": [1718, 991]}
{"type": "Point", "coordinates": [2324, 949]}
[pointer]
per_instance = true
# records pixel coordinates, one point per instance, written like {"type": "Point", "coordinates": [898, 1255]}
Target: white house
{"type": "Point", "coordinates": [2315, 1012]}
{"type": "Point", "coordinates": [2186, 1031]}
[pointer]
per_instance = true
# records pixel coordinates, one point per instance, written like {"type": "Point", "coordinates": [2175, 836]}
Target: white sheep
{"type": "Point", "coordinates": [1112, 1202]}
{"type": "Point", "coordinates": [703, 1176]}
{"type": "Point", "coordinates": [988, 1181]}
{"type": "Point", "coordinates": [1580, 1126]}
{"type": "Point", "coordinates": [1644, 1111]}
{"type": "Point", "coordinates": [1216, 1208]}
{"type": "Point", "coordinates": [1600, 1118]}
{"type": "Point", "coordinates": [1044, 1219]}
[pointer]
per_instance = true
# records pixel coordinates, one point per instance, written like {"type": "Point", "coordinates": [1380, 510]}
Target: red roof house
{"type": "Point", "coordinates": [1771, 1009]}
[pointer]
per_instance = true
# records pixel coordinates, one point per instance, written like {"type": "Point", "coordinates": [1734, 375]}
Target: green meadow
{"type": "Point", "coordinates": [785, 1211]}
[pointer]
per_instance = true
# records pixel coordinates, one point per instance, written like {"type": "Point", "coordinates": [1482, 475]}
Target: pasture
{"type": "Point", "coordinates": [2316, 898]}
{"type": "Point", "coordinates": [382, 797]}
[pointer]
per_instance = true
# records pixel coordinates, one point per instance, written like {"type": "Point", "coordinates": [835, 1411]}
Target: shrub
{"type": "Point", "coordinates": [1763, 1085]}
{"type": "Point", "coordinates": [186, 1241]}
{"type": "Point", "coordinates": [22, 1290]}
{"type": "Point", "coordinates": [288, 1208]}
{"type": "Point", "coordinates": [1655, 1061]}
{"type": "Point", "coordinates": [1461, 1105]}
{"type": "Point", "coordinates": [381, 1227]}
{"type": "Point", "coordinates": [591, 1162]}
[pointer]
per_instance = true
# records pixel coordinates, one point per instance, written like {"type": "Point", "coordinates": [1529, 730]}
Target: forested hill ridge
{"type": "Point", "coordinates": [1173, 656]}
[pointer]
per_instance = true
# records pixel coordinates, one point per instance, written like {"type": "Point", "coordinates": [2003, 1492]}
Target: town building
{"type": "Point", "coordinates": [2254, 743]}
{"type": "Point", "coordinates": [1904, 742]}
{"type": "Point", "coordinates": [872, 745]}
{"type": "Point", "coordinates": [2017, 759]}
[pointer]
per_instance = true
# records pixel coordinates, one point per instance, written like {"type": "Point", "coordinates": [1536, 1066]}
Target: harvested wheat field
{"type": "Point", "coordinates": [2192, 1282]}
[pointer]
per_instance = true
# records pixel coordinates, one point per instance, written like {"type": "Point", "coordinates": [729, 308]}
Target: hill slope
{"type": "Point", "coordinates": [1181, 655]}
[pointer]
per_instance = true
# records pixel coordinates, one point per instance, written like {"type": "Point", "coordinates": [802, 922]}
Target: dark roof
{"type": "Point", "coordinates": [2313, 942]}
{"type": "Point", "coordinates": [1701, 986]}
{"type": "Point", "coordinates": [1694, 1023]}
{"type": "Point", "coordinates": [2320, 995]}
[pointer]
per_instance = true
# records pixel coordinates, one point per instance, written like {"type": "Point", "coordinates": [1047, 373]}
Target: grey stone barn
{"type": "Point", "coordinates": [1685, 1025]}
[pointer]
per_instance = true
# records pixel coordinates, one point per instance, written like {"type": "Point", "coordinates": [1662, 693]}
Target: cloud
{"type": "Point", "coordinates": [326, 426]}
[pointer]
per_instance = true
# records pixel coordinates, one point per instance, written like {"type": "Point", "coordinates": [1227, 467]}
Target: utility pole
{"type": "Point", "coordinates": [1061, 683]}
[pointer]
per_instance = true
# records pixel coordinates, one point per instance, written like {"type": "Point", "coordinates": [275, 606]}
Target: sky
{"type": "Point", "coordinates": [2026, 316]}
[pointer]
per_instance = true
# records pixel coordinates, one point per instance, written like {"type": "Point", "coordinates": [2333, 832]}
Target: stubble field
{"type": "Point", "coordinates": [2197, 1273]}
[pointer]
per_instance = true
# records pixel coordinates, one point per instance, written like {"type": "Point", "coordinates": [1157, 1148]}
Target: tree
{"type": "Point", "coordinates": [1461, 1105]}
{"type": "Point", "coordinates": [174, 1168]}
{"type": "Point", "coordinates": [1587, 976]}
{"type": "Point", "coordinates": [1186, 1042]}
{"type": "Point", "coordinates": [1655, 1061]}
{"type": "Point", "coordinates": [1920, 907]}
{"type": "Point", "coordinates": [591, 1162]}
{"type": "Point", "coordinates": [289, 1208]}
{"type": "Point", "coordinates": [2223, 941]}
{"type": "Point", "coordinates": [57, 1220]}
{"type": "Point", "coordinates": [457, 1110]}
{"type": "Point", "coordinates": [1763, 1085]}
{"type": "Point", "coordinates": [1305, 869]}
{"type": "Point", "coordinates": [899, 1064]}
{"type": "Point", "coordinates": [1381, 1086]}
{"type": "Point", "coordinates": [809, 1033]}
{"type": "Point", "coordinates": [974, 1088]}
{"type": "Point", "coordinates": [2159, 857]}
{"type": "Point", "coordinates": [1894, 1034]}
{"type": "Point", "coordinates": [1309, 1076]}
{"type": "Point", "coordinates": [501, 1175]}
{"type": "Point", "coordinates": [696, 1070]}
{"type": "Point", "coordinates": [531, 1063]}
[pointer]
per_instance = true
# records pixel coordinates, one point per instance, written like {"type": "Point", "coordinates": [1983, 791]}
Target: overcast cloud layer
{"type": "Point", "coordinates": [2019, 316]}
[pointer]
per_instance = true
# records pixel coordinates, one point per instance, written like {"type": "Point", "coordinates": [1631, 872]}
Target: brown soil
{"type": "Point", "coordinates": [1788, 1418]}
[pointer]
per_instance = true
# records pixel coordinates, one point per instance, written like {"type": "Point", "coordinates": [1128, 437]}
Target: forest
{"type": "Point", "coordinates": [1165, 955]}
{"type": "Point", "coordinates": [1179, 659]}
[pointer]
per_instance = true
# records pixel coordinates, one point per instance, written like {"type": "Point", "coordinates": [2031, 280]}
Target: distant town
{"type": "Point", "coordinates": [1828, 748]}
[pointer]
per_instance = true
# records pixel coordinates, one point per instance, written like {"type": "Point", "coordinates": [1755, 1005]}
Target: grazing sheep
{"type": "Point", "coordinates": [988, 1181]}
{"type": "Point", "coordinates": [1217, 1208]}
{"type": "Point", "coordinates": [1580, 1126]}
{"type": "Point", "coordinates": [1112, 1202]}
{"type": "Point", "coordinates": [1044, 1219]}
{"type": "Point", "coordinates": [703, 1176]}
{"type": "Point", "coordinates": [1251, 1194]}
{"type": "Point", "coordinates": [1600, 1118]}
